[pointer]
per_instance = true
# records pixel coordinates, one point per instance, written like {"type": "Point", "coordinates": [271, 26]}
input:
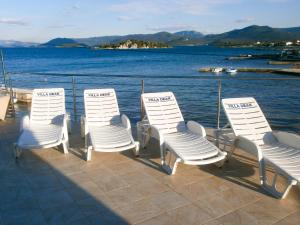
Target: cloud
{"type": "Point", "coordinates": [244, 20]}
{"type": "Point", "coordinates": [171, 28]}
{"type": "Point", "coordinates": [18, 22]}
{"type": "Point", "coordinates": [60, 26]}
{"type": "Point", "coordinates": [193, 7]}
{"type": "Point", "coordinates": [125, 18]}
{"type": "Point", "coordinates": [75, 7]}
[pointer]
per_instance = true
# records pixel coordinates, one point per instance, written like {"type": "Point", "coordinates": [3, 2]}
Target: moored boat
{"type": "Point", "coordinates": [231, 70]}
{"type": "Point", "coordinates": [217, 69]}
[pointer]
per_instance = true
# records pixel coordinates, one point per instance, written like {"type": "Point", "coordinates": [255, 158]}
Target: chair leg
{"type": "Point", "coordinates": [162, 154]}
{"type": "Point", "coordinates": [272, 189]}
{"type": "Point", "coordinates": [171, 170]}
{"type": "Point", "coordinates": [262, 172]}
{"type": "Point", "coordinates": [230, 153]}
{"type": "Point", "coordinates": [137, 148]}
{"type": "Point", "coordinates": [66, 146]}
{"type": "Point", "coordinates": [89, 154]}
{"type": "Point", "coordinates": [17, 151]}
{"type": "Point", "coordinates": [177, 160]}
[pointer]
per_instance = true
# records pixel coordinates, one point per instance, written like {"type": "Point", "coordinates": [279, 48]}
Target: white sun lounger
{"type": "Point", "coordinates": [105, 129]}
{"type": "Point", "coordinates": [253, 134]}
{"type": "Point", "coordinates": [186, 142]}
{"type": "Point", "coordinates": [47, 125]}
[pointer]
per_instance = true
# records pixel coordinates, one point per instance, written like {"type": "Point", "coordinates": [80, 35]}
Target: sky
{"type": "Point", "coordinates": [40, 21]}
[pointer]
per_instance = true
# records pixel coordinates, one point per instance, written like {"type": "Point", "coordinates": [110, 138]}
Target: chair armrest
{"type": "Point", "coordinates": [155, 133]}
{"type": "Point", "coordinates": [292, 140]}
{"type": "Point", "coordinates": [196, 128]}
{"type": "Point", "coordinates": [126, 122]}
{"type": "Point", "coordinates": [249, 146]}
{"type": "Point", "coordinates": [24, 122]}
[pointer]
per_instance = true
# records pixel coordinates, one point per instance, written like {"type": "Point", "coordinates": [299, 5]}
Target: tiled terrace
{"type": "Point", "coordinates": [48, 187]}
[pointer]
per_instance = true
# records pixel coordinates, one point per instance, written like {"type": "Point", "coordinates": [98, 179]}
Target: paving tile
{"type": "Point", "coordinates": [137, 177]}
{"type": "Point", "coordinates": [73, 179]}
{"type": "Point", "coordinates": [125, 167]}
{"type": "Point", "coordinates": [67, 214]}
{"type": "Point", "coordinates": [150, 187]}
{"type": "Point", "coordinates": [154, 171]}
{"type": "Point", "coordinates": [11, 194]}
{"type": "Point", "coordinates": [20, 204]}
{"type": "Point", "coordinates": [109, 218]}
{"type": "Point", "coordinates": [189, 215]}
{"type": "Point", "coordinates": [50, 198]}
{"type": "Point", "coordinates": [262, 212]}
{"type": "Point", "coordinates": [215, 206]}
{"type": "Point", "coordinates": [108, 181]}
{"type": "Point", "coordinates": [139, 211]}
{"type": "Point", "coordinates": [213, 222]}
{"type": "Point", "coordinates": [83, 190]}
{"type": "Point", "coordinates": [168, 200]}
{"type": "Point", "coordinates": [13, 178]}
{"type": "Point", "coordinates": [123, 196]}
{"type": "Point", "coordinates": [44, 182]}
{"type": "Point", "coordinates": [91, 206]}
{"type": "Point", "coordinates": [23, 217]}
{"type": "Point", "coordinates": [292, 219]}
{"type": "Point", "coordinates": [241, 218]}
{"type": "Point", "coordinates": [162, 219]}
{"type": "Point", "coordinates": [202, 188]}
{"type": "Point", "coordinates": [269, 208]}
{"type": "Point", "coordinates": [98, 172]}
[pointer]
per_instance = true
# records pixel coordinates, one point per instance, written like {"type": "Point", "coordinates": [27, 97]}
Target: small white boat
{"type": "Point", "coordinates": [217, 70]}
{"type": "Point", "coordinates": [231, 70]}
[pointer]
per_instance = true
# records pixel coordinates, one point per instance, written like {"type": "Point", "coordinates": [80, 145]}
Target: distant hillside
{"type": "Point", "coordinates": [62, 43]}
{"type": "Point", "coordinates": [256, 33]}
{"type": "Point", "coordinates": [183, 37]}
{"type": "Point", "coordinates": [16, 44]}
{"type": "Point", "coordinates": [246, 35]}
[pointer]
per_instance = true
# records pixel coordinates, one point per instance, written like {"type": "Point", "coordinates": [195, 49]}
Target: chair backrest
{"type": "Point", "coordinates": [101, 107]}
{"type": "Point", "coordinates": [47, 104]}
{"type": "Point", "coordinates": [163, 111]}
{"type": "Point", "coordinates": [246, 118]}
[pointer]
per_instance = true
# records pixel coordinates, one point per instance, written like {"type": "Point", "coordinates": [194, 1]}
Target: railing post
{"type": "Point", "coordinates": [3, 70]}
{"type": "Point", "coordinates": [141, 101]}
{"type": "Point", "coordinates": [219, 103]}
{"type": "Point", "coordinates": [217, 133]}
{"type": "Point", "coordinates": [74, 98]}
{"type": "Point", "coordinates": [11, 98]}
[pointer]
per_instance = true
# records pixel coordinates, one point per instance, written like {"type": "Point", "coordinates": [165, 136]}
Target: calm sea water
{"type": "Point", "coordinates": [172, 69]}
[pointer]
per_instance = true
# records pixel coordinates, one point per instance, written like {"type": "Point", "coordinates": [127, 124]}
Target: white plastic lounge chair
{"type": "Point", "coordinates": [253, 134]}
{"type": "Point", "coordinates": [47, 125]}
{"type": "Point", "coordinates": [105, 129]}
{"type": "Point", "coordinates": [186, 142]}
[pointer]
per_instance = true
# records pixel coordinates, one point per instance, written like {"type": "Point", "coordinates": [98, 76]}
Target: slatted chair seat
{"type": "Point", "coordinates": [111, 137]}
{"type": "Point", "coordinates": [254, 134]}
{"type": "Point", "coordinates": [186, 142]}
{"type": "Point", "coordinates": [287, 157]}
{"type": "Point", "coordinates": [105, 129]}
{"type": "Point", "coordinates": [40, 135]}
{"type": "Point", "coordinates": [190, 147]}
{"type": "Point", "coordinates": [47, 125]}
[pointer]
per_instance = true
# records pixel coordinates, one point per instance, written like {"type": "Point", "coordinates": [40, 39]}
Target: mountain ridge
{"type": "Point", "coordinates": [251, 33]}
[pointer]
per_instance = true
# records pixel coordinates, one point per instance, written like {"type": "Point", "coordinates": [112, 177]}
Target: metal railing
{"type": "Point", "coordinates": [198, 96]}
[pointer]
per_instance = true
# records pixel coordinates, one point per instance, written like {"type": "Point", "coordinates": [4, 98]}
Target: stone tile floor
{"type": "Point", "coordinates": [48, 187]}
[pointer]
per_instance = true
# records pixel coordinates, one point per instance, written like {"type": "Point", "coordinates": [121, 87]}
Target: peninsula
{"type": "Point", "coordinates": [132, 44]}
